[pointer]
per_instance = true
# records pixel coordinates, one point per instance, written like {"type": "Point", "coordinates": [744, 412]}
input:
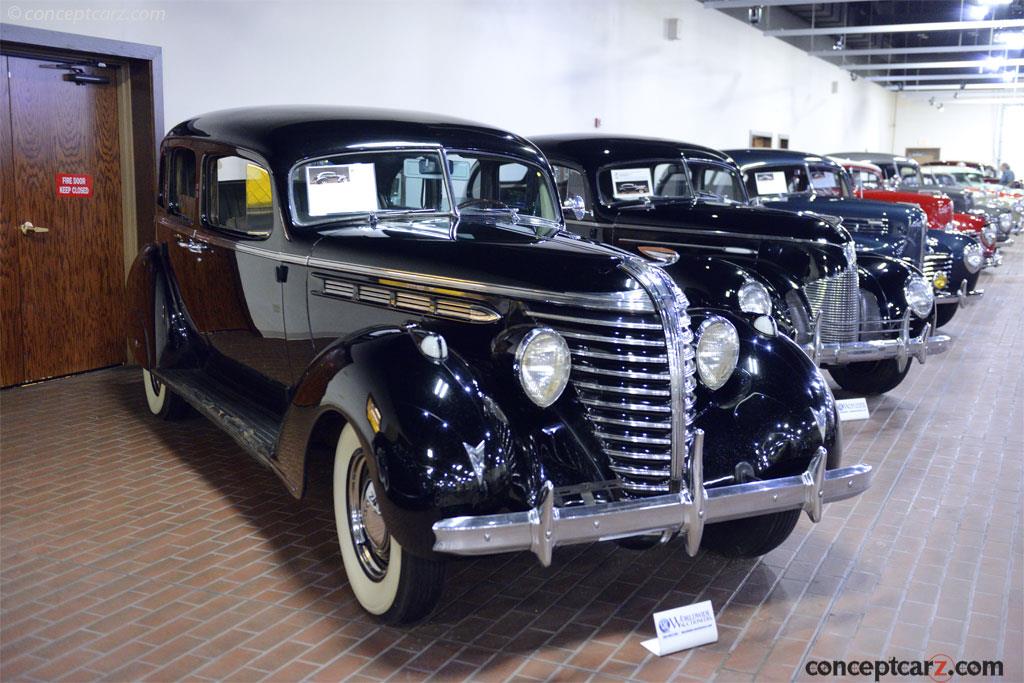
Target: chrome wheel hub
{"type": "Point", "coordinates": [370, 536]}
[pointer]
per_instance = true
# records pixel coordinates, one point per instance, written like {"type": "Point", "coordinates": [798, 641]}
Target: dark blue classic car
{"type": "Point", "coordinates": [798, 181]}
{"type": "Point", "coordinates": [861, 318]}
{"type": "Point", "coordinates": [390, 300]}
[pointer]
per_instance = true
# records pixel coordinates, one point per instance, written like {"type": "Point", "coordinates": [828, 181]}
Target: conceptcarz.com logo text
{"type": "Point", "coordinates": [938, 667]}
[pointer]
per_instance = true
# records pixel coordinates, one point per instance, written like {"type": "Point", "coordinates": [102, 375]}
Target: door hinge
{"type": "Point", "coordinates": [282, 273]}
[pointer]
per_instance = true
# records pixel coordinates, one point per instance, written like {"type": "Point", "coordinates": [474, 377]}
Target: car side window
{"type": "Point", "coordinates": [571, 183]}
{"type": "Point", "coordinates": [181, 193]}
{"type": "Point", "coordinates": [238, 196]}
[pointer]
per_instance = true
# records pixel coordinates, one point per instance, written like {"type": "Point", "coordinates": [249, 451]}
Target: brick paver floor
{"type": "Point", "coordinates": [134, 549]}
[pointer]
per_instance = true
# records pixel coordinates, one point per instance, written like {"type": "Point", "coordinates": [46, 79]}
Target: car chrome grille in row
{"type": "Point", "coordinates": [867, 226]}
{"type": "Point", "coordinates": [937, 263]}
{"type": "Point", "coordinates": [621, 374]}
{"type": "Point", "coordinates": [837, 300]}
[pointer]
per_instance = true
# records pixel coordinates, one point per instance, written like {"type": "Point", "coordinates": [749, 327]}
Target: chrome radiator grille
{"type": "Point", "coordinates": [937, 263]}
{"type": "Point", "coordinates": [621, 374]}
{"type": "Point", "coordinates": [837, 300]}
{"type": "Point", "coordinates": [867, 226]}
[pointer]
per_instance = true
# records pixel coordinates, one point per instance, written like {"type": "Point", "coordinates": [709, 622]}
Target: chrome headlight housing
{"type": "Point", "coordinates": [1005, 221]}
{"type": "Point", "coordinates": [754, 298]}
{"type": "Point", "coordinates": [989, 233]}
{"type": "Point", "coordinates": [542, 364]}
{"type": "Point", "coordinates": [974, 259]}
{"type": "Point", "coordinates": [718, 350]}
{"type": "Point", "coordinates": [919, 296]}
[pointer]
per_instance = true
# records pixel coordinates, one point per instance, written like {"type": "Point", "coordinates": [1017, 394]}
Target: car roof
{"type": "Point", "coordinates": [763, 155]}
{"type": "Point", "coordinates": [284, 135]}
{"type": "Point", "coordinates": [599, 150]}
{"type": "Point", "coordinates": [874, 157]}
{"type": "Point", "coordinates": [850, 163]}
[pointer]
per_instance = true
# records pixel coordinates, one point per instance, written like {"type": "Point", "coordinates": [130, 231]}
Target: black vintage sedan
{"type": "Point", "coordinates": [399, 288]}
{"type": "Point", "coordinates": [856, 316]}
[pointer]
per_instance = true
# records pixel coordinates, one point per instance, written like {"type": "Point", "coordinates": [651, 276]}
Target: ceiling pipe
{"type": "Point", "coordinates": [884, 51]}
{"type": "Point", "coordinates": [961, 64]}
{"type": "Point", "coordinates": [897, 28]}
{"type": "Point", "coordinates": [739, 4]}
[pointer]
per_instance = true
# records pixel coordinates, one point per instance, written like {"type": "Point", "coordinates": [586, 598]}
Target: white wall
{"type": "Point", "coordinates": [987, 132]}
{"type": "Point", "coordinates": [533, 66]}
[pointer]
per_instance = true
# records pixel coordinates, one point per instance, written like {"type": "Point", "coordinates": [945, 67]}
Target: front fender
{"type": "Point", "coordinates": [439, 444]}
{"type": "Point", "coordinates": [712, 282]}
{"type": "Point", "coordinates": [954, 244]}
{"type": "Point", "coordinates": [886, 279]}
{"type": "Point", "coordinates": [772, 415]}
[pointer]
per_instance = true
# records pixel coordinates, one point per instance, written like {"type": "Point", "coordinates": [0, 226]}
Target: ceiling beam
{"type": "Point", "coordinates": [896, 28]}
{"type": "Point", "coordinates": [961, 64]}
{"type": "Point", "coordinates": [738, 4]}
{"type": "Point", "coordinates": [885, 51]}
{"type": "Point", "coordinates": [936, 77]}
{"type": "Point", "coordinates": [968, 86]}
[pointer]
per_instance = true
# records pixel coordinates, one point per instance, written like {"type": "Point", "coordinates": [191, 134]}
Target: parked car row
{"type": "Point", "coordinates": [481, 343]}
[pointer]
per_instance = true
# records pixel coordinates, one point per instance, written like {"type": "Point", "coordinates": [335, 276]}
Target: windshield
{"type": "Point", "coordinates": [405, 185]}
{"type": "Point", "coordinates": [498, 184]}
{"type": "Point", "coordinates": [910, 175]}
{"type": "Point", "coordinates": [865, 178]}
{"type": "Point", "coordinates": [351, 186]}
{"type": "Point", "coordinates": [645, 180]}
{"type": "Point", "coordinates": [716, 181]}
{"type": "Point", "coordinates": [779, 181]}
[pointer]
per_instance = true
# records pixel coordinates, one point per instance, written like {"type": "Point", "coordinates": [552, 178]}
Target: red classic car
{"type": "Point", "coordinates": [869, 183]}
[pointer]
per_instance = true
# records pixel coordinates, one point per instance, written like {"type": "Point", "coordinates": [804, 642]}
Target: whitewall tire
{"type": "Point", "coordinates": [386, 580]}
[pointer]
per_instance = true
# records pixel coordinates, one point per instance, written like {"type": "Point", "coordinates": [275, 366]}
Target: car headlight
{"type": "Point", "coordinates": [988, 234]}
{"type": "Point", "coordinates": [718, 349]}
{"type": "Point", "coordinates": [974, 259]}
{"type": "Point", "coordinates": [919, 296]}
{"type": "Point", "coordinates": [542, 363]}
{"type": "Point", "coordinates": [754, 298]}
{"type": "Point", "coordinates": [1005, 221]}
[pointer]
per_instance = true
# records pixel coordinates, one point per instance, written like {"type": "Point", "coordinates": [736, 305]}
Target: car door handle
{"type": "Point", "coordinates": [192, 245]}
{"type": "Point", "coordinates": [27, 227]}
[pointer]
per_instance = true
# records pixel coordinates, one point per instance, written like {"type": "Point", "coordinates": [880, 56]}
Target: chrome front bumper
{"type": "Point", "coordinates": [903, 348]}
{"type": "Point", "coordinates": [546, 526]}
{"type": "Point", "coordinates": [993, 261]}
{"type": "Point", "coordinates": [962, 296]}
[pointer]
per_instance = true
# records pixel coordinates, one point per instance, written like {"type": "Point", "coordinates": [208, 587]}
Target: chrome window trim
{"type": "Point", "coordinates": [721, 164]}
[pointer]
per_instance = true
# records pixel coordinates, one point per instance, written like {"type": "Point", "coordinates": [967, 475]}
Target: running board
{"type": "Point", "coordinates": [254, 428]}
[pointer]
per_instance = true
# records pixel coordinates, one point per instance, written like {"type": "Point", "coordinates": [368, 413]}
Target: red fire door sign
{"type": "Point", "coordinates": [74, 185]}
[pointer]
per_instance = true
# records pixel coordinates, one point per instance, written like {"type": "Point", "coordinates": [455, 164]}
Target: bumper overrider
{"type": "Point", "coordinates": [961, 297]}
{"type": "Point", "coordinates": [994, 261]}
{"type": "Point", "coordinates": [902, 348]}
{"type": "Point", "coordinates": [546, 526]}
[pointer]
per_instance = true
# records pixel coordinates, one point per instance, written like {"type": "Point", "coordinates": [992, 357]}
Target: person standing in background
{"type": "Point", "coordinates": [1007, 176]}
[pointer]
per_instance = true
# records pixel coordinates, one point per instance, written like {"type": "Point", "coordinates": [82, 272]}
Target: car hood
{"type": "Point", "coordinates": [781, 223]}
{"type": "Point", "coordinates": [838, 206]}
{"type": "Point", "coordinates": [483, 253]}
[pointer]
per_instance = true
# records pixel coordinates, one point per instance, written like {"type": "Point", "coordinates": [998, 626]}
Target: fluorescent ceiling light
{"type": "Point", "coordinates": [993, 63]}
{"type": "Point", "coordinates": [977, 12]}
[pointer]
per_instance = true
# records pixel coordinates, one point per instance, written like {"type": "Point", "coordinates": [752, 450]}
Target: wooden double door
{"type": "Point", "coordinates": [61, 224]}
